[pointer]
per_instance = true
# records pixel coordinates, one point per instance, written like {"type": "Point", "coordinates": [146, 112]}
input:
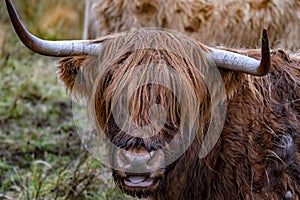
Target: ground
{"type": "Point", "coordinates": [41, 155]}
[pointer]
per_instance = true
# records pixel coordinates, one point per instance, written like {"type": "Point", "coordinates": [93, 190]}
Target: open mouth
{"type": "Point", "coordinates": [139, 185]}
{"type": "Point", "coordinates": [138, 181]}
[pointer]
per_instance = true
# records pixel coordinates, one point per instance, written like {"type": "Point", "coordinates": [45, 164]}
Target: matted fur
{"type": "Point", "coordinates": [258, 153]}
{"type": "Point", "coordinates": [107, 76]}
{"type": "Point", "coordinates": [233, 23]}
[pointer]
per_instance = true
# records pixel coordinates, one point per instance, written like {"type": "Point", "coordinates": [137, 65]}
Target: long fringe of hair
{"type": "Point", "coordinates": [142, 68]}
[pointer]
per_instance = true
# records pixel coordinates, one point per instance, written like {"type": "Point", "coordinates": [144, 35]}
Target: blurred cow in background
{"type": "Point", "coordinates": [234, 23]}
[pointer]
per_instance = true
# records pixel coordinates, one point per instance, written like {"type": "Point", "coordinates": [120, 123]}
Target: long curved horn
{"type": "Point", "coordinates": [237, 62]}
{"type": "Point", "coordinates": [45, 47]}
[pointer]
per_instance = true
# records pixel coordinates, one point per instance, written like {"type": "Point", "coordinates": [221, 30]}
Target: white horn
{"type": "Point", "coordinates": [236, 62]}
{"type": "Point", "coordinates": [49, 48]}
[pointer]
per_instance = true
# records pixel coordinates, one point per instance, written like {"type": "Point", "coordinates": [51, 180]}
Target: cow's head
{"type": "Point", "coordinates": [147, 93]}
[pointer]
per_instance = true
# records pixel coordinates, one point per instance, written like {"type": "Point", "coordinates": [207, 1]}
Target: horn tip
{"type": "Point", "coordinates": [265, 30]}
{"type": "Point", "coordinates": [265, 65]}
{"type": "Point", "coordinates": [265, 34]}
{"type": "Point", "coordinates": [9, 5]}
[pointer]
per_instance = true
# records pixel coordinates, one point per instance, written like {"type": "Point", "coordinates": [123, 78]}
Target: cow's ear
{"type": "Point", "coordinates": [69, 69]}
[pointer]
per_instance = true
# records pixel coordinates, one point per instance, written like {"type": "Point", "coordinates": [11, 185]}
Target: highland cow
{"type": "Point", "coordinates": [229, 23]}
{"type": "Point", "coordinates": [256, 155]}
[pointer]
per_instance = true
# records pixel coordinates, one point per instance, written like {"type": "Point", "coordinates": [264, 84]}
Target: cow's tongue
{"type": "Point", "coordinates": [138, 181]}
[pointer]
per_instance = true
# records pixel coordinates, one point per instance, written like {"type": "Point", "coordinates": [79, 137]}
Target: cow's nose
{"type": "Point", "coordinates": [139, 161]}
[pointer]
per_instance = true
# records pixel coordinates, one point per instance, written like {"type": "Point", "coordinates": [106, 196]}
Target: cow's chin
{"type": "Point", "coordinates": [139, 185]}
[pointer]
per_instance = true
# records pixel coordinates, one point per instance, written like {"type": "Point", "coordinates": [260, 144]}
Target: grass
{"type": "Point", "coordinates": [41, 156]}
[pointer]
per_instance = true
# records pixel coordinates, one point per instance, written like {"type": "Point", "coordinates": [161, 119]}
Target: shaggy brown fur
{"type": "Point", "coordinates": [229, 23]}
{"type": "Point", "coordinates": [258, 153]}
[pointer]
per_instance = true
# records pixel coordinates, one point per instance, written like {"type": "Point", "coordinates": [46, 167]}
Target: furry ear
{"type": "Point", "coordinates": [69, 69]}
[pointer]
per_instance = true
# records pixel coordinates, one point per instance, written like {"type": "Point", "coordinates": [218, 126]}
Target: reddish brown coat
{"type": "Point", "coordinates": [258, 153]}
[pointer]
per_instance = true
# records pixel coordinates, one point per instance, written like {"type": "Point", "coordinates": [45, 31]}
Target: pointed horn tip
{"type": "Point", "coordinates": [10, 7]}
{"type": "Point", "coordinates": [265, 32]}
{"type": "Point", "coordinates": [265, 37]}
{"type": "Point", "coordinates": [265, 65]}
{"type": "Point", "coordinates": [265, 48]}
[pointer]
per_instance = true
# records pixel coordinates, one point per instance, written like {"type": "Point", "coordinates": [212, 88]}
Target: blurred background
{"type": "Point", "coordinates": [41, 156]}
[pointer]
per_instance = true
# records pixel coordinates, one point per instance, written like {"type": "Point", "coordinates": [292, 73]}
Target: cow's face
{"type": "Point", "coordinates": [141, 103]}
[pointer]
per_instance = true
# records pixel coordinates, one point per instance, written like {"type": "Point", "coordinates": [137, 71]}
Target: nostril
{"type": "Point", "coordinates": [152, 157]}
{"type": "Point", "coordinates": [122, 158]}
{"type": "Point", "coordinates": [155, 158]}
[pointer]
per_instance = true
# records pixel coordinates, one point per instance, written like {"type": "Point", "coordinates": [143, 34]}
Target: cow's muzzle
{"type": "Point", "coordinates": [138, 172]}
